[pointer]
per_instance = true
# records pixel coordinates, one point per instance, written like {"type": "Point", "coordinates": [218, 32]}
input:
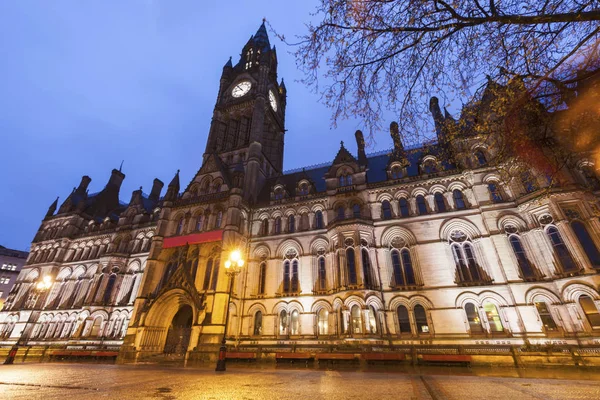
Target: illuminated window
{"type": "Point", "coordinates": [283, 322]}
{"type": "Point", "coordinates": [473, 318]}
{"type": "Point", "coordinates": [586, 242]}
{"type": "Point", "coordinates": [590, 311]}
{"type": "Point", "coordinates": [545, 316]}
{"type": "Point", "coordinates": [372, 320]}
{"type": "Point", "coordinates": [295, 323]}
{"type": "Point", "coordinates": [356, 319]}
{"type": "Point", "coordinates": [323, 321]}
{"type": "Point", "coordinates": [493, 317]}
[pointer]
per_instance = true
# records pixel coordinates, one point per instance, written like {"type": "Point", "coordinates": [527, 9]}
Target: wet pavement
{"type": "Point", "coordinates": [93, 381]}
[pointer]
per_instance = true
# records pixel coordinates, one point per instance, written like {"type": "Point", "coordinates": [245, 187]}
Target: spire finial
{"type": "Point", "coordinates": [342, 143]}
{"type": "Point", "coordinates": [264, 20]}
{"type": "Point", "coordinates": [121, 166]}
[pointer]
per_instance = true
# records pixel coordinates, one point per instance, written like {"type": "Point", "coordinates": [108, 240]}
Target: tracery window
{"type": "Point", "coordinates": [264, 227]}
{"type": "Point", "coordinates": [279, 193]}
{"type": "Point", "coordinates": [372, 320]}
{"type": "Point", "coordinates": [396, 172]}
{"type": "Point", "coordinates": [290, 273]}
{"type": "Point", "coordinates": [303, 191]}
{"type": "Point", "coordinates": [386, 209]}
{"type": "Point", "coordinates": [345, 180]}
{"type": "Point", "coordinates": [283, 322]}
{"type": "Point", "coordinates": [403, 273]}
{"type": "Point", "coordinates": [429, 167]}
{"type": "Point", "coordinates": [467, 268]}
{"type": "Point", "coordinates": [459, 201]}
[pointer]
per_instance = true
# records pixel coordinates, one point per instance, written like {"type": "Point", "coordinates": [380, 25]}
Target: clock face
{"type": "Point", "coordinates": [273, 100]}
{"type": "Point", "coordinates": [241, 89]}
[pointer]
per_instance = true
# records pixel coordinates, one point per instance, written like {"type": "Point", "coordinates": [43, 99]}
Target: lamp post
{"type": "Point", "coordinates": [233, 266]}
{"type": "Point", "coordinates": [42, 286]}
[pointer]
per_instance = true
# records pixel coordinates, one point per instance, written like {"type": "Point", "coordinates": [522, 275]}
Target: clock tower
{"type": "Point", "coordinates": [247, 128]}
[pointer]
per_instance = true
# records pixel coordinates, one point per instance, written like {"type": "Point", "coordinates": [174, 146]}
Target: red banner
{"type": "Point", "coordinates": [194, 238]}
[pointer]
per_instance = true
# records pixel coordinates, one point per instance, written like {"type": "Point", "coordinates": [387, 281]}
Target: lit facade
{"type": "Point", "coordinates": [391, 250]}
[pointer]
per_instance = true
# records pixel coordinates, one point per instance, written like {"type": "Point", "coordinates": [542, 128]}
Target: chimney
{"type": "Point", "coordinates": [157, 186]}
{"type": "Point", "coordinates": [395, 134]}
{"type": "Point", "coordinates": [116, 178]}
{"type": "Point", "coordinates": [83, 185]}
{"type": "Point", "coordinates": [360, 143]}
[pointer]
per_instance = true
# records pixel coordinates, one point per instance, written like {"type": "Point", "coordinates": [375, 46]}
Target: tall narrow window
{"type": "Point", "coordinates": [421, 206]}
{"type": "Point", "coordinates": [459, 201]}
{"type": "Point", "coordinates": [356, 319]}
{"type": "Point", "coordinates": [109, 288]}
{"type": "Point", "coordinates": [264, 227]}
{"type": "Point", "coordinates": [524, 264]}
{"type": "Point", "coordinates": [283, 323]}
{"type": "Point", "coordinates": [219, 219]}
{"type": "Point", "coordinates": [372, 327]}
{"type": "Point", "coordinates": [471, 261]}
{"type": "Point", "coordinates": [323, 321]}
{"type": "Point", "coordinates": [440, 204]}
{"type": "Point", "coordinates": [286, 276]}
{"type": "Point", "coordinates": [590, 311]}
{"type": "Point", "coordinates": [545, 316]}
{"type": "Point", "coordinates": [342, 180]}
{"type": "Point", "coordinates": [349, 180]}
{"type": "Point", "coordinates": [179, 230]}
{"type": "Point", "coordinates": [351, 265]}
{"type": "Point", "coordinates": [404, 211]}
{"type": "Point", "coordinates": [356, 211]}
{"type": "Point", "coordinates": [386, 209]}
{"type": "Point", "coordinates": [207, 274]}
{"type": "Point", "coordinates": [396, 172]}
{"type": "Point", "coordinates": [473, 317]}
{"type": "Point", "coordinates": [560, 250]}
{"type": "Point", "coordinates": [366, 264]}
{"type": "Point", "coordinates": [586, 241]}
{"type": "Point", "coordinates": [340, 213]}
{"type": "Point", "coordinates": [295, 323]}
{"type": "Point", "coordinates": [291, 224]}
{"type": "Point", "coordinates": [397, 269]}
{"type": "Point", "coordinates": [528, 181]}
{"type": "Point", "coordinates": [262, 276]}
{"type": "Point", "coordinates": [409, 274]}
{"type": "Point", "coordinates": [295, 280]}
{"type": "Point", "coordinates": [403, 320]}
{"type": "Point", "coordinates": [199, 222]}
{"type": "Point", "coordinates": [493, 317]}
{"type": "Point", "coordinates": [481, 160]}
{"type": "Point", "coordinates": [215, 274]}
{"type": "Point", "coordinates": [322, 274]}
{"type": "Point", "coordinates": [319, 219]}
{"type": "Point", "coordinates": [278, 225]}
{"type": "Point", "coordinates": [257, 323]}
{"type": "Point", "coordinates": [495, 193]}
{"type": "Point", "coordinates": [421, 319]}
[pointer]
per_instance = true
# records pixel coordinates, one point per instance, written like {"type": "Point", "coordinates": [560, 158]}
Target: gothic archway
{"type": "Point", "coordinates": [178, 335]}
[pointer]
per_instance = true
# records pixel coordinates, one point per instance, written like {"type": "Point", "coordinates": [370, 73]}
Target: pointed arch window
{"type": "Point", "coordinates": [545, 316]}
{"type": "Point", "coordinates": [403, 273]}
{"type": "Point", "coordinates": [322, 274]}
{"type": "Point", "coordinates": [219, 219]}
{"type": "Point", "coordinates": [356, 210]}
{"type": "Point", "coordinates": [493, 317]}
{"type": "Point", "coordinates": [421, 205]}
{"type": "Point", "coordinates": [440, 203]}
{"type": "Point", "coordinates": [257, 323]}
{"type": "Point", "coordinates": [295, 279]}
{"type": "Point", "coordinates": [319, 219]}
{"type": "Point", "coordinates": [527, 271]}
{"type": "Point", "coordinates": [590, 310]}
{"type": "Point", "coordinates": [262, 276]}
{"type": "Point", "coordinates": [323, 321]}
{"type": "Point", "coordinates": [467, 267]}
{"type": "Point", "coordinates": [473, 318]}
{"type": "Point", "coordinates": [283, 322]}
{"type": "Point", "coordinates": [366, 264]}
{"type": "Point", "coordinates": [421, 319]}
{"type": "Point", "coordinates": [459, 201]}
{"type": "Point", "coordinates": [386, 209]}
{"type": "Point", "coordinates": [587, 243]}
{"type": "Point", "coordinates": [372, 320]}
{"type": "Point", "coordinates": [179, 229]}
{"type": "Point", "coordinates": [356, 319]}
{"type": "Point", "coordinates": [286, 276]}
{"type": "Point", "coordinates": [291, 224]}
{"type": "Point", "coordinates": [264, 227]}
{"type": "Point", "coordinates": [295, 323]}
{"type": "Point", "coordinates": [404, 211]}
{"type": "Point", "coordinates": [560, 250]}
{"type": "Point", "coordinates": [351, 266]}
{"type": "Point", "coordinates": [403, 320]}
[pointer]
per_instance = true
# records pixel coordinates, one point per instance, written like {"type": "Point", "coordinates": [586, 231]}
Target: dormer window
{"type": "Point", "coordinates": [278, 194]}
{"type": "Point", "coordinates": [396, 172]}
{"type": "Point", "coordinates": [345, 180]}
{"type": "Point", "coordinates": [429, 167]}
{"type": "Point", "coordinates": [303, 189]}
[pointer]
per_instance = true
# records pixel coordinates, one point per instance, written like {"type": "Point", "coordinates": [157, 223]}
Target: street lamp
{"type": "Point", "coordinates": [41, 287]}
{"type": "Point", "coordinates": [233, 266]}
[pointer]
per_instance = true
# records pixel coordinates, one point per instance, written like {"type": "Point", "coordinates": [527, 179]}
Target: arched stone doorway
{"type": "Point", "coordinates": [178, 335]}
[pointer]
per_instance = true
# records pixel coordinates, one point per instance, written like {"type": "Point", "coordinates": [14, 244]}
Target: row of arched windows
{"type": "Point", "coordinates": [421, 205]}
{"type": "Point", "coordinates": [200, 222]}
{"type": "Point", "coordinates": [292, 224]}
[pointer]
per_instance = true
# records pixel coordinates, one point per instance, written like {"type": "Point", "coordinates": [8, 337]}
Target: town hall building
{"type": "Point", "coordinates": [399, 252]}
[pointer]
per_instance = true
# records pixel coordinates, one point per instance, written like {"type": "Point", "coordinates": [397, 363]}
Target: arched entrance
{"type": "Point", "coordinates": [178, 336]}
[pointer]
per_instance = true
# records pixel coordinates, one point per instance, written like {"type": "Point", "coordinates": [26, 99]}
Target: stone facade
{"type": "Point", "coordinates": [397, 250]}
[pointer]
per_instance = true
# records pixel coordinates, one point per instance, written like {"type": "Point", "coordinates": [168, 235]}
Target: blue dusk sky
{"type": "Point", "coordinates": [87, 84]}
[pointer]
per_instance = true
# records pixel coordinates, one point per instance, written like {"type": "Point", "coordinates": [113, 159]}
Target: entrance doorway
{"type": "Point", "coordinates": [178, 337]}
